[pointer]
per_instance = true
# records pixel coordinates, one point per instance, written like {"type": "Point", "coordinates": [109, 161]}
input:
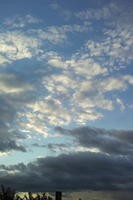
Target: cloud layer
{"type": "Point", "coordinates": [117, 142]}
{"type": "Point", "coordinates": [96, 171]}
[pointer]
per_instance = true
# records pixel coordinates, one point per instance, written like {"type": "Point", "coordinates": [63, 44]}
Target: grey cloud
{"type": "Point", "coordinates": [9, 145]}
{"type": "Point", "coordinates": [54, 147]}
{"type": "Point", "coordinates": [15, 92]}
{"type": "Point", "coordinates": [9, 137]}
{"type": "Point", "coordinates": [108, 141]}
{"type": "Point", "coordinates": [77, 171]}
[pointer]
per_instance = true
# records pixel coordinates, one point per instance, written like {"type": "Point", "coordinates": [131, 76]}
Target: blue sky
{"type": "Point", "coordinates": [65, 73]}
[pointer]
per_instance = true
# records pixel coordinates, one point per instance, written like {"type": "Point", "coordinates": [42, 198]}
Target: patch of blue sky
{"type": "Point", "coordinates": [114, 119]}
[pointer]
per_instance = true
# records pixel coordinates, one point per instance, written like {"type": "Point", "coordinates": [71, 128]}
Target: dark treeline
{"type": "Point", "coordinates": [10, 194]}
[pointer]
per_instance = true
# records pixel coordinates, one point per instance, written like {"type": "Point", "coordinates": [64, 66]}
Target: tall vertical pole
{"type": "Point", "coordinates": [58, 196]}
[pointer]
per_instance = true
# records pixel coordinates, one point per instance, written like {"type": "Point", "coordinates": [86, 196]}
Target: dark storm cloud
{"type": "Point", "coordinates": [108, 141]}
{"type": "Point", "coordinates": [76, 171]}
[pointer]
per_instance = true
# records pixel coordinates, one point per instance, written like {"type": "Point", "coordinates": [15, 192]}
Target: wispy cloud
{"type": "Point", "coordinates": [62, 11]}
{"type": "Point", "coordinates": [21, 21]}
{"type": "Point", "coordinates": [106, 12]}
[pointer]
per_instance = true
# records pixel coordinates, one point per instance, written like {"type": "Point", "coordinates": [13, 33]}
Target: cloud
{"type": "Point", "coordinates": [4, 61]}
{"type": "Point", "coordinates": [40, 88]}
{"type": "Point", "coordinates": [65, 147]}
{"type": "Point", "coordinates": [20, 21]}
{"type": "Point", "coordinates": [96, 171]}
{"type": "Point", "coordinates": [66, 14]}
{"type": "Point", "coordinates": [12, 84]}
{"type": "Point", "coordinates": [34, 123]}
{"type": "Point", "coordinates": [9, 138]}
{"type": "Point", "coordinates": [121, 104]}
{"type": "Point", "coordinates": [114, 47]}
{"type": "Point", "coordinates": [80, 63]}
{"type": "Point", "coordinates": [52, 35]}
{"type": "Point", "coordinates": [115, 50]}
{"type": "Point", "coordinates": [105, 12]}
{"type": "Point", "coordinates": [54, 147]}
{"type": "Point", "coordinates": [112, 13]}
{"type": "Point", "coordinates": [52, 110]}
{"type": "Point", "coordinates": [10, 145]}
{"type": "Point", "coordinates": [14, 94]}
{"type": "Point", "coordinates": [16, 45]}
{"type": "Point", "coordinates": [108, 141]}
{"type": "Point", "coordinates": [58, 34]}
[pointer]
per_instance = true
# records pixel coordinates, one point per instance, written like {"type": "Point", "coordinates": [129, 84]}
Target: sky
{"type": "Point", "coordinates": [66, 97]}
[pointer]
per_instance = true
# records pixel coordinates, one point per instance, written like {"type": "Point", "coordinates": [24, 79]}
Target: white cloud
{"type": "Point", "coordinates": [52, 111]}
{"type": "Point", "coordinates": [52, 35]}
{"type": "Point", "coordinates": [115, 50]}
{"type": "Point", "coordinates": [4, 61]}
{"type": "Point", "coordinates": [81, 64]}
{"type": "Point", "coordinates": [83, 84]}
{"type": "Point", "coordinates": [82, 114]}
{"type": "Point", "coordinates": [33, 123]}
{"type": "Point", "coordinates": [58, 34]}
{"type": "Point", "coordinates": [105, 12]}
{"type": "Point", "coordinates": [16, 45]}
{"type": "Point", "coordinates": [87, 66]}
{"type": "Point", "coordinates": [68, 28]}
{"type": "Point", "coordinates": [121, 104]}
{"type": "Point", "coordinates": [90, 100]}
{"type": "Point", "coordinates": [129, 79]}
{"type": "Point", "coordinates": [76, 86]}
{"type": "Point", "coordinates": [4, 153]}
{"type": "Point", "coordinates": [20, 21]}
{"type": "Point", "coordinates": [57, 62]}
{"type": "Point", "coordinates": [113, 83]}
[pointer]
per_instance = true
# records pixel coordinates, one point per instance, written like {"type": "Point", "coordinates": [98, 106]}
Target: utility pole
{"type": "Point", "coordinates": [58, 196]}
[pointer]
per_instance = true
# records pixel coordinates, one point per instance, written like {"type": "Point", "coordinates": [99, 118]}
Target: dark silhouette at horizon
{"type": "Point", "coordinates": [10, 194]}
